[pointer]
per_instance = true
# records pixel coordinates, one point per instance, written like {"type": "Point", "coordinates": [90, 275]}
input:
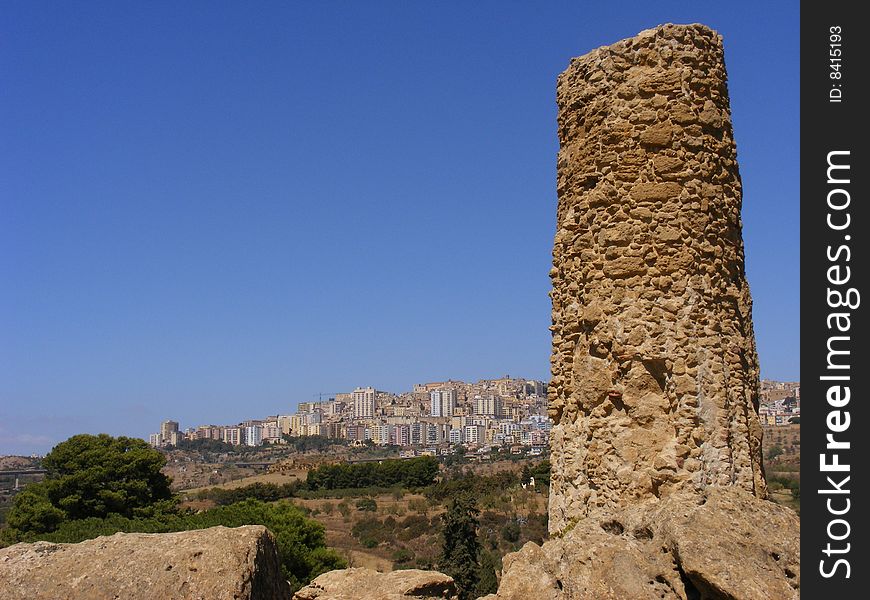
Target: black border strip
{"type": "Point", "coordinates": [833, 102]}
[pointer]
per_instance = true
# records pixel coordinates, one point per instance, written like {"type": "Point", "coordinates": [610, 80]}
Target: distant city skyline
{"type": "Point", "coordinates": [235, 209]}
{"type": "Point", "coordinates": [432, 416]}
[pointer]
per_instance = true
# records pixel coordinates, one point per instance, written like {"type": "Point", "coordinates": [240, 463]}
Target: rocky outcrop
{"type": "Point", "coordinates": [216, 563]}
{"type": "Point", "coordinates": [722, 543]}
{"type": "Point", "coordinates": [366, 584]}
{"type": "Point", "coordinates": [654, 384]}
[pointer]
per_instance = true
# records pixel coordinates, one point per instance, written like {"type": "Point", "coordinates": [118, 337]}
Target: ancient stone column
{"type": "Point", "coordinates": [654, 369]}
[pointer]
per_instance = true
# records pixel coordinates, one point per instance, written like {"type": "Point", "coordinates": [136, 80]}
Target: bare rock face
{"type": "Point", "coordinates": [721, 544]}
{"type": "Point", "coordinates": [654, 384]}
{"type": "Point", "coordinates": [216, 563]}
{"type": "Point", "coordinates": [366, 584]}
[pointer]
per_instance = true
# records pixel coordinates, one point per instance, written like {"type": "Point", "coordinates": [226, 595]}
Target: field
{"type": "Point", "coordinates": [386, 529]}
{"type": "Point", "coordinates": [782, 459]}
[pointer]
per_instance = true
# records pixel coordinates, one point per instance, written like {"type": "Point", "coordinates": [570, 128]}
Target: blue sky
{"type": "Point", "coordinates": [212, 211]}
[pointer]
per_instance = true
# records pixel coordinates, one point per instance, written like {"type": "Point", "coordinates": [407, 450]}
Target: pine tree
{"type": "Point", "coordinates": [487, 582]}
{"type": "Point", "coordinates": [460, 552]}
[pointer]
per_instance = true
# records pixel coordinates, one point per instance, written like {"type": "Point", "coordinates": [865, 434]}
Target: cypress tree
{"type": "Point", "coordinates": [460, 552]}
{"type": "Point", "coordinates": [487, 582]}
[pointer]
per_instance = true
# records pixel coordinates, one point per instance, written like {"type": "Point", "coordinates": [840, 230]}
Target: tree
{"type": "Point", "coordinates": [93, 476]}
{"type": "Point", "coordinates": [415, 472]}
{"type": "Point", "coordinates": [511, 531]}
{"type": "Point", "coordinates": [33, 511]}
{"type": "Point", "coordinates": [773, 452]}
{"type": "Point", "coordinates": [487, 582]}
{"type": "Point", "coordinates": [460, 551]}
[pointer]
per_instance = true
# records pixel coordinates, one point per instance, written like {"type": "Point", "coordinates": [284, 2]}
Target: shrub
{"type": "Point", "coordinates": [367, 504]}
{"type": "Point", "coordinates": [403, 555]}
{"type": "Point", "coordinates": [511, 532]}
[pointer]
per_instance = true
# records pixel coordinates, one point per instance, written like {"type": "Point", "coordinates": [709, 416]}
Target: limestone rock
{"type": "Point", "coordinates": [722, 544]}
{"type": "Point", "coordinates": [654, 386]}
{"type": "Point", "coordinates": [367, 584]}
{"type": "Point", "coordinates": [214, 564]}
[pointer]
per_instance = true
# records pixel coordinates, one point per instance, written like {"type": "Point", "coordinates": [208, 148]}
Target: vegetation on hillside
{"type": "Point", "coordinates": [401, 511]}
{"type": "Point", "coordinates": [409, 533]}
{"type": "Point", "coordinates": [267, 492]}
{"type": "Point", "coordinates": [99, 485]}
{"type": "Point", "coordinates": [415, 472]}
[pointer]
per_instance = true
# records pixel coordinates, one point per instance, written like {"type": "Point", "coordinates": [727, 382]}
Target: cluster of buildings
{"type": "Point", "coordinates": [780, 402]}
{"type": "Point", "coordinates": [494, 412]}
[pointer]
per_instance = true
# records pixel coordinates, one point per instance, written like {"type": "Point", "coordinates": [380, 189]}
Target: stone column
{"type": "Point", "coordinates": [654, 369]}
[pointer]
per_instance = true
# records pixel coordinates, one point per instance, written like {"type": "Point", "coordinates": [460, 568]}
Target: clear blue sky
{"type": "Point", "coordinates": [212, 211]}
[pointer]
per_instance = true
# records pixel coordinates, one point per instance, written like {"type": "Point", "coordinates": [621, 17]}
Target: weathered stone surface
{"type": "Point", "coordinates": [654, 385]}
{"type": "Point", "coordinates": [722, 543]}
{"type": "Point", "coordinates": [213, 564]}
{"type": "Point", "coordinates": [366, 584]}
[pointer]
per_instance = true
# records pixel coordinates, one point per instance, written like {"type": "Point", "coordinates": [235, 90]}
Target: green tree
{"type": "Point", "coordinates": [511, 531]}
{"type": "Point", "coordinates": [415, 472]}
{"type": "Point", "coordinates": [460, 551]}
{"type": "Point", "coordinates": [773, 452]}
{"type": "Point", "coordinates": [96, 475]}
{"type": "Point", "coordinates": [487, 582]}
{"type": "Point", "coordinates": [33, 511]}
{"type": "Point", "coordinates": [93, 476]}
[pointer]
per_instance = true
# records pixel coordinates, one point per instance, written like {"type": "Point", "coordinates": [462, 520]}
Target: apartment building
{"type": "Point", "coordinates": [364, 403]}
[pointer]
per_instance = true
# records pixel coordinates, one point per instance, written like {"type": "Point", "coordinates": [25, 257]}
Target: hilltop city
{"type": "Point", "coordinates": [433, 418]}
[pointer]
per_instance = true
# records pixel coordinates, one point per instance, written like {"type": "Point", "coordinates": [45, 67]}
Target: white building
{"type": "Point", "coordinates": [455, 436]}
{"type": "Point", "coordinates": [474, 434]}
{"type": "Point", "coordinates": [508, 427]}
{"type": "Point", "coordinates": [233, 435]}
{"type": "Point", "coordinates": [380, 434]}
{"type": "Point", "coordinates": [253, 435]}
{"type": "Point", "coordinates": [442, 403]}
{"type": "Point", "coordinates": [489, 405]}
{"type": "Point", "coordinates": [364, 403]}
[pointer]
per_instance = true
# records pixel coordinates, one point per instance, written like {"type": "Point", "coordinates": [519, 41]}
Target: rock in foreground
{"type": "Point", "coordinates": [723, 544]}
{"type": "Point", "coordinates": [214, 564]}
{"type": "Point", "coordinates": [366, 584]}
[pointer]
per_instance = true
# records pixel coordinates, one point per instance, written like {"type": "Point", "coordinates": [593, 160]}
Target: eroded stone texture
{"type": "Point", "coordinates": [720, 544]}
{"type": "Point", "coordinates": [218, 563]}
{"type": "Point", "coordinates": [366, 584]}
{"type": "Point", "coordinates": [654, 370]}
